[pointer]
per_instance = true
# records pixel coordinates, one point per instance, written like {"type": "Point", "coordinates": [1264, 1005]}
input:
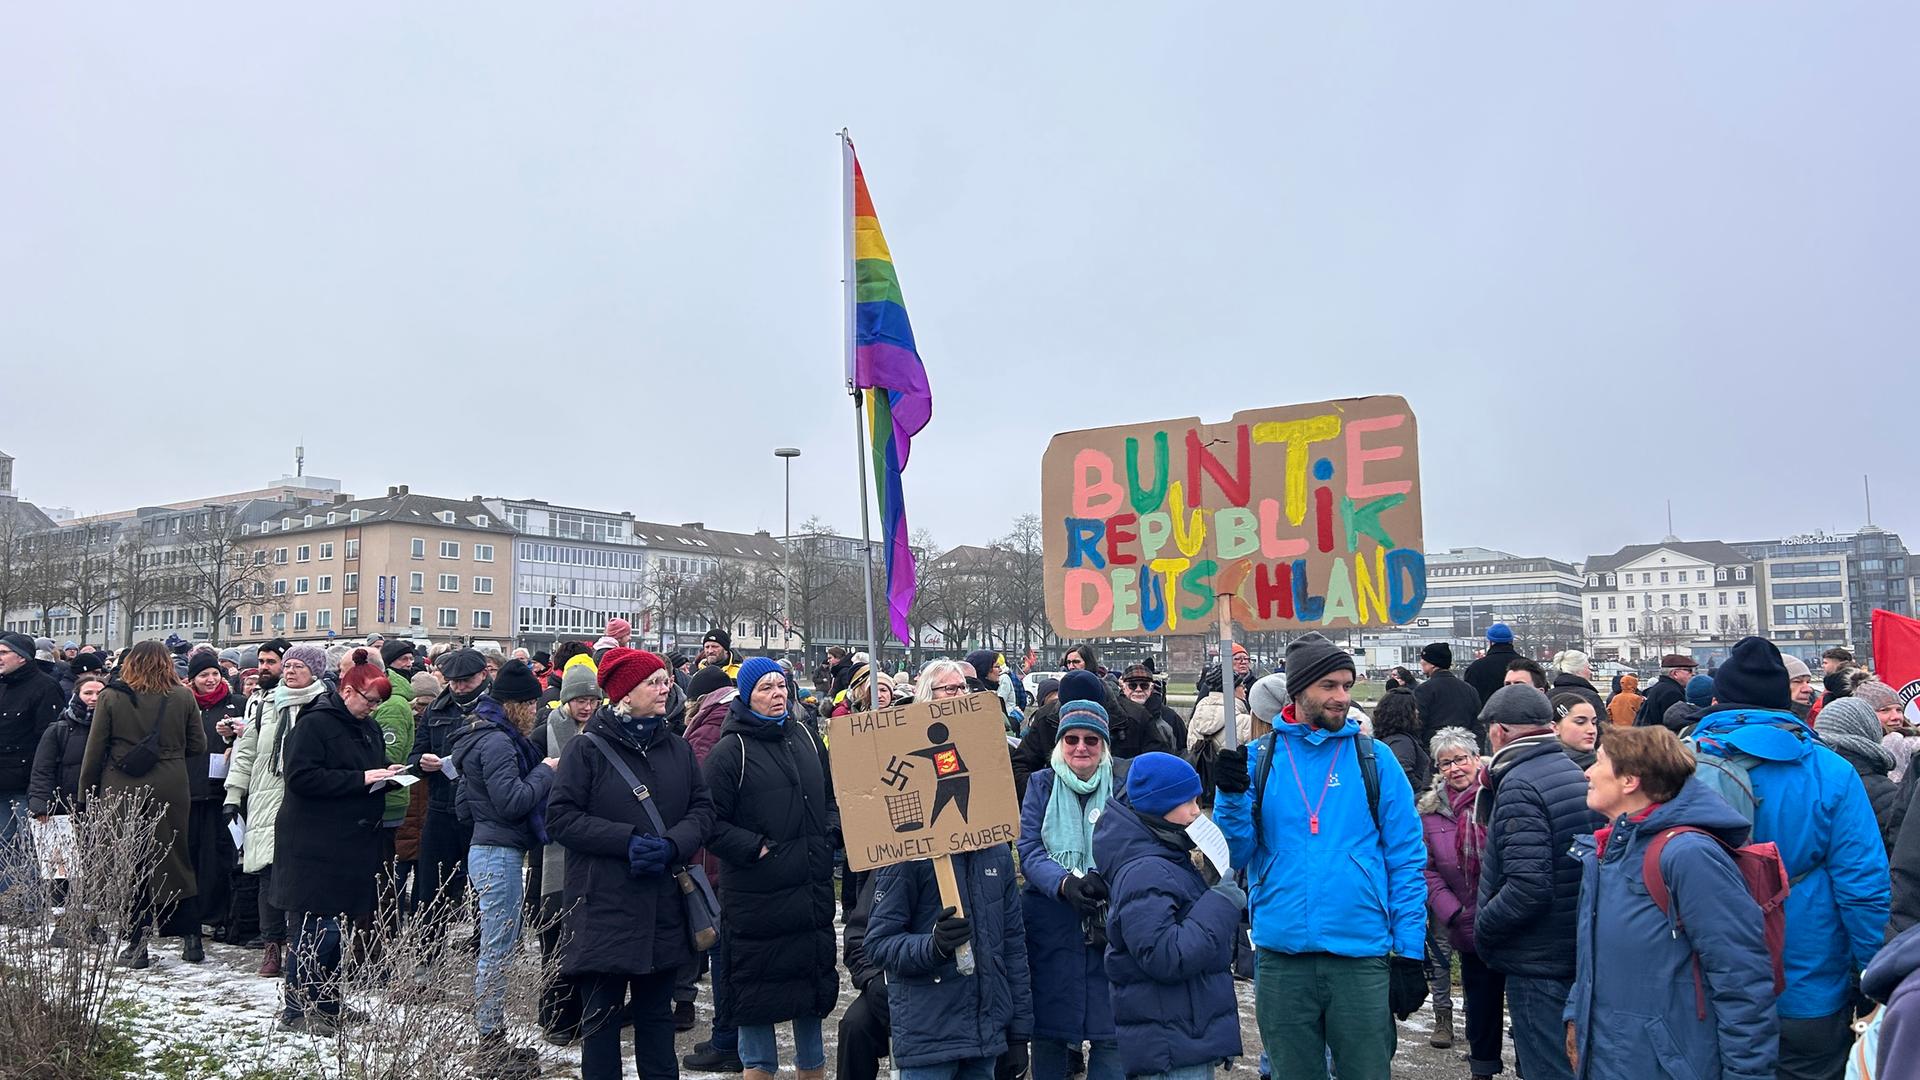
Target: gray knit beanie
{"type": "Point", "coordinates": [578, 682]}
{"type": "Point", "coordinates": [1268, 697]}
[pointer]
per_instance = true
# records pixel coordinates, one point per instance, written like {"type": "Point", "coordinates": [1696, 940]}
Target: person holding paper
{"type": "Point", "coordinates": [327, 836]}
{"type": "Point", "coordinates": [1065, 898]}
{"type": "Point", "coordinates": [1170, 938]}
{"type": "Point", "coordinates": [208, 836]}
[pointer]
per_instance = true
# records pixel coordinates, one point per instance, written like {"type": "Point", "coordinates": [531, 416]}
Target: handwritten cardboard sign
{"type": "Point", "coordinates": [1304, 516]}
{"type": "Point", "coordinates": [926, 779]}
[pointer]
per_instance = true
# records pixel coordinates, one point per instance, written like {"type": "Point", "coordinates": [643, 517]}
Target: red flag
{"type": "Point", "coordinates": [1896, 658]}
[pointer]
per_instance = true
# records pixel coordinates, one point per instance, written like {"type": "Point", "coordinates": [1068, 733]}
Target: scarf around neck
{"type": "Point", "coordinates": [208, 701]}
{"type": "Point", "coordinates": [287, 702]}
{"type": "Point", "coordinates": [1067, 831]}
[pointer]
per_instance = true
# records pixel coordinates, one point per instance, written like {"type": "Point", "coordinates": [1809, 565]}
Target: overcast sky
{"type": "Point", "coordinates": [591, 252]}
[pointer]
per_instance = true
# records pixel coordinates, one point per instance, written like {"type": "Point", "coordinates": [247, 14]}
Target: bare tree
{"type": "Point", "coordinates": [823, 583]}
{"type": "Point", "coordinates": [45, 564]}
{"type": "Point", "coordinates": [1023, 589]}
{"type": "Point", "coordinates": [675, 594]}
{"type": "Point", "coordinates": [217, 572]}
{"type": "Point", "coordinates": [138, 581]}
{"type": "Point", "coordinates": [87, 588]}
{"type": "Point", "coordinates": [13, 561]}
{"type": "Point", "coordinates": [725, 595]}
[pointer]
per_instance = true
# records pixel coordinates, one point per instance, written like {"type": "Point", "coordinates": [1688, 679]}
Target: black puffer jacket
{"type": "Point", "coordinates": [29, 700]}
{"type": "Point", "coordinates": [617, 923]}
{"type": "Point", "coordinates": [1882, 792]}
{"type": "Point", "coordinates": [1534, 804]}
{"type": "Point", "coordinates": [56, 766]}
{"type": "Point", "coordinates": [1486, 674]}
{"type": "Point", "coordinates": [772, 787]}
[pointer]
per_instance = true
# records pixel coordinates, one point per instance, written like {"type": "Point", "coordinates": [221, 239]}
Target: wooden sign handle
{"type": "Point", "coordinates": [1230, 734]}
{"type": "Point", "coordinates": [950, 897]}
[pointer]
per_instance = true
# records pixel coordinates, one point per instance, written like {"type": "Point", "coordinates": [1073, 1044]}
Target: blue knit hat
{"type": "Point", "coordinates": [1090, 715]}
{"type": "Point", "coordinates": [753, 671]}
{"type": "Point", "coordinates": [1500, 634]}
{"type": "Point", "coordinates": [1082, 685]}
{"type": "Point", "coordinates": [1157, 782]}
{"type": "Point", "coordinates": [1700, 690]}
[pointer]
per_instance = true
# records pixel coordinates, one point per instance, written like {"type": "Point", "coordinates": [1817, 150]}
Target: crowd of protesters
{"type": "Point", "coordinates": [1594, 867]}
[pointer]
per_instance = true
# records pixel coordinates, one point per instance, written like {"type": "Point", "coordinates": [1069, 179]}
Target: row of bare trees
{"type": "Point", "coordinates": [73, 572]}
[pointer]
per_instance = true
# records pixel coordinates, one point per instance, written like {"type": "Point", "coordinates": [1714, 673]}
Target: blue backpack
{"type": "Point", "coordinates": [1727, 769]}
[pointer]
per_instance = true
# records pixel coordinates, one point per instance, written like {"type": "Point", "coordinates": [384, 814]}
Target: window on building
{"type": "Point", "coordinates": [353, 516]}
{"type": "Point", "coordinates": [483, 553]}
{"type": "Point", "coordinates": [1596, 626]}
{"type": "Point", "coordinates": [1723, 599]}
{"type": "Point", "coordinates": [280, 556]}
{"type": "Point", "coordinates": [299, 620]}
{"type": "Point", "coordinates": [1720, 573]}
{"type": "Point", "coordinates": [323, 620]}
{"type": "Point", "coordinates": [416, 582]}
{"type": "Point", "coordinates": [1699, 575]}
{"type": "Point", "coordinates": [482, 620]}
{"type": "Point", "coordinates": [1611, 602]}
{"type": "Point", "coordinates": [1666, 599]}
{"type": "Point", "coordinates": [303, 553]}
{"type": "Point", "coordinates": [1685, 622]}
{"type": "Point", "coordinates": [326, 550]}
{"type": "Point", "coordinates": [1630, 624]}
{"type": "Point", "coordinates": [414, 615]}
{"type": "Point", "coordinates": [350, 617]}
{"type": "Point", "coordinates": [1613, 626]}
{"type": "Point", "coordinates": [449, 618]}
{"type": "Point", "coordinates": [449, 583]}
{"type": "Point", "coordinates": [279, 621]}
{"type": "Point", "coordinates": [419, 548]}
{"type": "Point", "coordinates": [326, 583]}
{"type": "Point", "coordinates": [260, 557]}
{"type": "Point", "coordinates": [446, 516]}
{"type": "Point", "coordinates": [449, 549]}
{"type": "Point", "coordinates": [1663, 577]}
{"type": "Point", "coordinates": [1593, 603]}
{"type": "Point", "coordinates": [1629, 603]}
{"type": "Point", "coordinates": [279, 586]}
{"type": "Point", "coordinates": [350, 581]}
{"type": "Point", "coordinates": [300, 586]}
{"type": "Point", "coordinates": [306, 521]}
{"type": "Point", "coordinates": [353, 549]}
{"type": "Point", "coordinates": [1740, 598]}
{"type": "Point", "coordinates": [483, 585]}
{"type": "Point", "coordinates": [1609, 581]}
{"type": "Point", "coordinates": [257, 624]}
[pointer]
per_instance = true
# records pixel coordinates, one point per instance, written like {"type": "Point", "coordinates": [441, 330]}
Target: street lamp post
{"type": "Point", "coordinates": [788, 453]}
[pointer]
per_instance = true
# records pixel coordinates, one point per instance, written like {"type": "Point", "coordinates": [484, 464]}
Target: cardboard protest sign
{"type": "Point", "coordinates": [1306, 516]}
{"type": "Point", "coordinates": [923, 780]}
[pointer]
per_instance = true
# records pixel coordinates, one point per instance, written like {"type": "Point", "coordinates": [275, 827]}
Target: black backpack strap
{"type": "Point", "coordinates": [1369, 775]}
{"type": "Point", "coordinates": [1266, 743]}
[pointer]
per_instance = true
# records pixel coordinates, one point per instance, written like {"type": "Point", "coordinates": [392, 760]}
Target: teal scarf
{"type": "Point", "coordinates": [1067, 832]}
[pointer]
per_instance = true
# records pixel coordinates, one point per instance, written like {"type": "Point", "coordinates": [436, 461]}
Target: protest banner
{"type": "Point", "coordinates": [1297, 517]}
{"type": "Point", "coordinates": [925, 781]}
{"type": "Point", "coordinates": [1896, 659]}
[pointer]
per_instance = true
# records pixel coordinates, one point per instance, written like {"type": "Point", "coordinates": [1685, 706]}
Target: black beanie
{"type": "Point", "coordinates": [1311, 657]}
{"type": "Point", "coordinates": [706, 681]}
{"type": "Point", "coordinates": [719, 637]}
{"type": "Point", "coordinates": [515, 682]}
{"type": "Point", "coordinates": [1754, 675]}
{"type": "Point", "coordinates": [201, 661]}
{"type": "Point", "coordinates": [394, 650]}
{"type": "Point", "coordinates": [1437, 653]}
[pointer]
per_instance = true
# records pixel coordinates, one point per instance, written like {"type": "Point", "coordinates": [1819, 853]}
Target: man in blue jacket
{"type": "Point", "coordinates": [1534, 806]}
{"type": "Point", "coordinates": [1338, 893]}
{"type": "Point", "coordinates": [1811, 804]}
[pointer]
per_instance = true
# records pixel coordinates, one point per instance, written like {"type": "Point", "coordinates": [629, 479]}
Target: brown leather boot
{"type": "Point", "coordinates": [1442, 1026]}
{"type": "Point", "coordinates": [270, 961]}
{"type": "Point", "coordinates": [756, 1074]}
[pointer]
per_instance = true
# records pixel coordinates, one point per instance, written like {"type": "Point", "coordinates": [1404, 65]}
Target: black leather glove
{"type": "Point", "coordinates": [1084, 893]}
{"type": "Point", "coordinates": [950, 931]}
{"type": "Point", "coordinates": [231, 812]}
{"type": "Point", "coordinates": [1013, 1064]}
{"type": "Point", "coordinates": [1406, 986]}
{"type": "Point", "coordinates": [1230, 771]}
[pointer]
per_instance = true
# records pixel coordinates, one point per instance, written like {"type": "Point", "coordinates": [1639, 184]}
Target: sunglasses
{"type": "Point", "coordinates": [1080, 740]}
{"type": "Point", "coordinates": [1138, 684]}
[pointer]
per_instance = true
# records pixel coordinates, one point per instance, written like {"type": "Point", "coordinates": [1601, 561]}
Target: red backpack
{"type": "Point", "coordinates": [1765, 875]}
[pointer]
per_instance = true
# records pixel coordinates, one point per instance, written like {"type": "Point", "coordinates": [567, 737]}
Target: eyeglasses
{"type": "Point", "coordinates": [1449, 763]}
{"type": "Point", "coordinates": [949, 689]}
{"type": "Point", "coordinates": [1139, 684]}
{"type": "Point", "coordinates": [1080, 740]}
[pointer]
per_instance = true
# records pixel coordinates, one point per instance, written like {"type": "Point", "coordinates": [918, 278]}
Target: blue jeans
{"type": "Point", "coordinates": [1050, 1059]}
{"type": "Point", "coordinates": [1535, 1008]}
{"type": "Point", "coordinates": [313, 966]}
{"type": "Point", "coordinates": [980, 1068]}
{"type": "Point", "coordinates": [500, 886]}
{"type": "Point", "coordinates": [759, 1049]}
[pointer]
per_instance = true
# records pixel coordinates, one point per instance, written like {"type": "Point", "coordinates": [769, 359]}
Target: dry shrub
{"type": "Point", "coordinates": [54, 1000]}
{"type": "Point", "coordinates": [412, 1032]}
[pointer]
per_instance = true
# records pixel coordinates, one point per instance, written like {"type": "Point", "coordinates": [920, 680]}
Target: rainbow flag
{"type": "Point", "coordinates": [887, 366]}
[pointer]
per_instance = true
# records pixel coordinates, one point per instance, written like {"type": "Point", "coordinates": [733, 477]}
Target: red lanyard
{"type": "Point", "coordinates": [1313, 812]}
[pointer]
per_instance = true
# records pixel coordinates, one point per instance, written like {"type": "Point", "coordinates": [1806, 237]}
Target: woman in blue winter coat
{"type": "Point", "coordinates": [1170, 938]}
{"type": "Point", "coordinates": [1637, 1009]}
{"type": "Point", "coordinates": [1065, 898]}
{"type": "Point", "coordinates": [503, 787]}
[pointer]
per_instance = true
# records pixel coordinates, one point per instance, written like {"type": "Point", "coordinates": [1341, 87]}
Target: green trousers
{"type": "Point", "coordinates": [1310, 1004]}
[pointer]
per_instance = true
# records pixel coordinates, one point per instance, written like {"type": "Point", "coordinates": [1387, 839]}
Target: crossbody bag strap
{"type": "Point", "coordinates": [640, 793]}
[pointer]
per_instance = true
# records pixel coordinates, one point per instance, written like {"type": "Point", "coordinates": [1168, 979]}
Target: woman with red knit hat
{"type": "Point", "coordinates": [625, 936]}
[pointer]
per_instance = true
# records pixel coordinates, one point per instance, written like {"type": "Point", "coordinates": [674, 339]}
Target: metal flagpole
{"type": "Point", "coordinates": [848, 288]}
